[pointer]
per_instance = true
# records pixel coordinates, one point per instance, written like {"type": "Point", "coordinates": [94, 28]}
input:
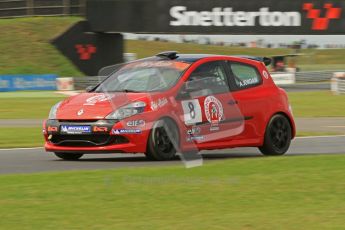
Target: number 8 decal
{"type": "Point", "coordinates": [192, 112]}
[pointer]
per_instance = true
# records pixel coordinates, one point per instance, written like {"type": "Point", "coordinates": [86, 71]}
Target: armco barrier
{"type": "Point", "coordinates": [316, 76]}
{"type": "Point", "coordinates": [27, 82]}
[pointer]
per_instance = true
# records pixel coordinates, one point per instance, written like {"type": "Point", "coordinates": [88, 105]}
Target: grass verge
{"type": "Point", "coordinates": [21, 137]}
{"type": "Point", "coordinates": [26, 48]}
{"type": "Point", "coordinates": [27, 105]}
{"type": "Point", "coordinates": [317, 104]}
{"type": "Point", "coordinates": [253, 193]}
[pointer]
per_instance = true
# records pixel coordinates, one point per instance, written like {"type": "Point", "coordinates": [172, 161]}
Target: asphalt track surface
{"type": "Point", "coordinates": [37, 160]}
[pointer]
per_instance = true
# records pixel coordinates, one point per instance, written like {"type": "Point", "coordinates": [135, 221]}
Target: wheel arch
{"type": "Point", "coordinates": [173, 120]}
{"type": "Point", "coordinates": [290, 119]}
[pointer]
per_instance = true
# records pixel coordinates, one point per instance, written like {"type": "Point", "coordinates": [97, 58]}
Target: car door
{"type": "Point", "coordinates": [251, 97]}
{"type": "Point", "coordinates": [209, 112]}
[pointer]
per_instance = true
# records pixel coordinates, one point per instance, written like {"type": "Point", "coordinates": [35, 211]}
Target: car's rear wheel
{"type": "Point", "coordinates": [69, 156]}
{"type": "Point", "coordinates": [277, 137]}
{"type": "Point", "coordinates": [163, 139]}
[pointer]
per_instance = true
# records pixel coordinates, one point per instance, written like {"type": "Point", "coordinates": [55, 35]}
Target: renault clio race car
{"type": "Point", "coordinates": [174, 103]}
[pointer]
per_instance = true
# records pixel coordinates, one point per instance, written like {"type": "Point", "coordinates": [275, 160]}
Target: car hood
{"type": "Point", "coordinates": [95, 106]}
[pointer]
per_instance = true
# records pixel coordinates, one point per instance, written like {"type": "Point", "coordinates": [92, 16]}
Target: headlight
{"type": "Point", "coordinates": [127, 111]}
{"type": "Point", "coordinates": [53, 111]}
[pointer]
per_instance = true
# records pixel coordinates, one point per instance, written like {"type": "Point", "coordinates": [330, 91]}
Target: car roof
{"type": "Point", "coordinates": [191, 58]}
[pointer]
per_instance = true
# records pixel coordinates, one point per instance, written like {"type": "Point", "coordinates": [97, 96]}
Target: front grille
{"type": "Point", "coordinates": [86, 140]}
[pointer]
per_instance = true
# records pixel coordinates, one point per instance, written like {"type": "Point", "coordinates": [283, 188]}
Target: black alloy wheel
{"type": "Point", "coordinates": [163, 141]}
{"type": "Point", "coordinates": [277, 137]}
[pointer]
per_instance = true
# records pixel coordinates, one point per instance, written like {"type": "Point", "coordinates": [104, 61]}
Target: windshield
{"type": "Point", "coordinates": [144, 76]}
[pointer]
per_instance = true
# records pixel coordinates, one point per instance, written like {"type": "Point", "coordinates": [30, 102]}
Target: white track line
{"type": "Point", "coordinates": [12, 149]}
{"type": "Point", "coordinates": [311, 137]}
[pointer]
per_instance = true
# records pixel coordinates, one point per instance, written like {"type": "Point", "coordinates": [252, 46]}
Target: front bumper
{"type": "Point", "coordinates": [101, 139]}
{"type": "Point", "coordinates": [123, 148]}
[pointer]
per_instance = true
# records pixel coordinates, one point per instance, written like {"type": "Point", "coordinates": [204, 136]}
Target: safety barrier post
{"type": "Point", "coordinates": [30, 7]}
{"type": "Point", "coordinates": [338, 83]}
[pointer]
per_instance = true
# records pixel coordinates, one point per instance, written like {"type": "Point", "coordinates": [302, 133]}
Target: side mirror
{"type": "Point", "coordinates": [188, 88]}
{"type": "Point", "coordinates": [191, 86]}
{"type": "Point", "coordinates": [90, 88]}
{"type": "Point", "coordinates": [183, 94]}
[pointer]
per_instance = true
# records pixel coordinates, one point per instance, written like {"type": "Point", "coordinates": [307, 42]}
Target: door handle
{"type": "Point", "coordinates": [232, 102]}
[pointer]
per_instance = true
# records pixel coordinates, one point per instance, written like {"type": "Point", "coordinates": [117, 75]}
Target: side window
{"type": "Point", "coordinates": [209, 78]}
{"type": "Point", "coordinates": [245, 76]}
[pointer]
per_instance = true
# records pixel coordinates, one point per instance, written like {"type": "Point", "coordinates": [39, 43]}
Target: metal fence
{"type": "Point", "coordinates": [316, 76]}
{"type": "Point", "coordinates": [24, 8]}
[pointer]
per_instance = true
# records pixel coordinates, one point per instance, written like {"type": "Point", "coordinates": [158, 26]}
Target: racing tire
{"type": "Point", "coordinates": [162, 142]}
{"type": "Point", "coordinates": [278, 136]}
{"type": "Point", "coordinates": [69, 156]}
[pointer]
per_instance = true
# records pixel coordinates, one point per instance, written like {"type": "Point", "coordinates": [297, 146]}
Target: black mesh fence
{"type": "Point", "coordinates": [22, 8]}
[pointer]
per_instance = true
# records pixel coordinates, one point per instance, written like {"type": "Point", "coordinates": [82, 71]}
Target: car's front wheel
{"type": "Point", "coordinates": [69, 156]}
{"type": "Point", "coordinates": [163, 140]}
{"type": "Point", "coordinates": [277, 137]}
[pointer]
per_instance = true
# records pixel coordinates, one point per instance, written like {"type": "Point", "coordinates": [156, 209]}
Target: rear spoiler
{"type": "Point", "coordinates": [267, 61]}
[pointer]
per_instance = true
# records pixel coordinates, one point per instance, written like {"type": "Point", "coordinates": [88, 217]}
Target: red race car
{"type": "Point", "coordinates": [175, 103]}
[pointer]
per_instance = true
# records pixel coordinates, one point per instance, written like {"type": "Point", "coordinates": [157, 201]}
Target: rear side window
{"type": "Point", "coordinates": [245, 76]}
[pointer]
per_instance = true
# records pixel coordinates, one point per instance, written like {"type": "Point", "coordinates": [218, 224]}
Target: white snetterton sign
{"type": "Point", "coordinates": [229, 17]}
